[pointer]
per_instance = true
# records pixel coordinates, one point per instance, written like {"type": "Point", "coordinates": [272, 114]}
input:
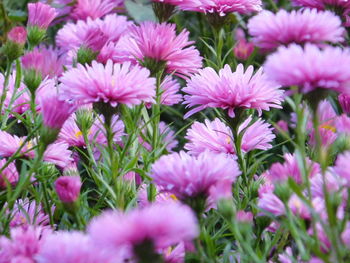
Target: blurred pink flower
{"type": "Point", "coordinates": [342, 166]}
{"type": "Point", "coordinates": [111, 83]}
{"type": "Point", "coordinates": [40, 15]}
{"type": "Point", "coordinates": [9, 175]}
{"type": "Point", "coordinates": [231, 90]}
{"type": "Point", "coordinates": [26, 213]}
{"type": "Point", "coordinates": [160, 43]}
{"type": "Point", "coordinates": [58, 154]}
{"type": "Point", "coordinates": [344, 101]}
{"type": "Point", "coordinates": [162, 224]}
{"type": "Point", "coordinates": [222, 7]}
{"type": "Point", "coordinates": [243, 49]}
{"type": "Point", "coordinates": [68, 188]}
{"type": "Point", "coordinates": [215, 136]}
{"type": "Point", "coordinates": [310, 67]}
{"type": "Point", "coordinates": [271, 30]}
{"type": "Point", "coordinates": [298, 207]}
{"type": "Point", "coordinates": [322, 4]}
{"type": "Point", "coordinates": [84, 9]}
{"type": "Point", "coordinates": [290, 168]}
{"type": "Point", "coordinates": [187, 176]}
{"type": "Point", "coordinates": [269, 203]}
{"type": "Point", "coordinates": [18, 35]}
{"type": "Point", "coordinates": [244, 217]}
{"type": "Point", "coordinates": [10, 143]}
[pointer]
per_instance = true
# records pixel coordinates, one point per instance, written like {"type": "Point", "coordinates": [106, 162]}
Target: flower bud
{"type": "Point", "coordinates": [13, 48]}
{"type": "Point", "coordinates": [243, 49]}
{"type": "Point", "coordinates": [344, 101]}
{"type": "Point", "coordinates": [244, 217]}
{"type": "Point", "coordinates": [84, 118]}
{"type": "Point", "coordinates": [68, 188]}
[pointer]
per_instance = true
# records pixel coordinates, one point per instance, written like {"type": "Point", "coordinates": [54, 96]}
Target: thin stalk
{"type": "Point", "coordinates": [6, 82]}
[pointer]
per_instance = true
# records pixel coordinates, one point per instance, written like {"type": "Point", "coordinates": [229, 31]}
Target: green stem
{"type": "Point", "coordinates": [6, 82]}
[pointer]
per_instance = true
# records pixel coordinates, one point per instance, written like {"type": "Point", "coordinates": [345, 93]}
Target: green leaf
{"type": "Point", "coordinates": [17, 15]}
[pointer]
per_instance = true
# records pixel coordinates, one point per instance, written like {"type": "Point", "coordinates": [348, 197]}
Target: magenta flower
{"type": "Point", "coordinates": [22, 247]}
{"type": "Point", "coordinates": [26, 213]}
{"type": "Point", "coordinates": [189, 177]}
{"type": "Point", "coordinates": [269, 203]}
{"type": "Point", "coordinates": [18, 35]}
{"type": "Point", "coordinates": [40, 15]}
{"type": "Point", "coordinates": [55, 111]}
{"type": "Point", "coordinates": [160, 43]}
{"type": "Point", "coordinates": [244, 217]}
{"type": "Point", "coordinates": [341, 166]}
{"type": "Point", "coordinates": [222, 7]}
{"type": "Point", "coordinates": [243, 49]}
{"type": "Point", "coordinates": [298, 207]}
{"type": "Point", "coordinates": [68, 188]}
{"type": "Point", "coordinates": [215, 136]}
{"type": "Point", "coordinates": [322, 4]}
{"type": "Point", "coordinates": [84, 9]}
{"type": "Point", "coordinates": [113, 84]}
{"type": "Point", "coordinates": [231, 90]}
{"type": "Point", "coordinates": [33, 60]}
{"type": "Point", "coordinates": [290, 168]}
{"type": "Point", "coordinates": [170, 91]}
{"type": "Point", "coordinates": [10, 143]}
{"type": "Point", "coordinates": [9, 175]}
{"type": "Point", "coordinates": [70, 247]}
{"type": "Point", "coordinates": [271, 30]}
{"type": "Point", "coordinates": [161, 224]}
{"type": "Point", "coordinates": [310, 67]}
{"type": "Point", "coordinates": [58, 154]}
{"type": "Point", "coordinates": [344, 101]}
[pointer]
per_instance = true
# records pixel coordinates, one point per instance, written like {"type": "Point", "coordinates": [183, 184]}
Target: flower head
{"type": "Point", "coordinates": [231, 90]}
{"type": "Point", "coordinates": [188, 176]}
{"type": "Point", "coordinates": [163, 225]}
{"type": "Point", "coordinates": [18, 35]}
{"type": "Point", "coordinates": [84, 9]}
{"type": "Point", "coordinates": [271, 30]}
{"type": "Point", "coordinates": [40, 15]}
{"type": "Point", "coordinates": [310, 67]}
{"type": "Point", "coordinates": [341, 166]}
{"type": "Point", "coordinates": [113, 84]}
{"type": "Point", "coordinates": [157, 45]}
{"type": "Point", "coordinates": [222, 7]}
{"type": "Point", "coordinates": [68, 188]}
{"type": "Point", "coordinates": [9, 175]}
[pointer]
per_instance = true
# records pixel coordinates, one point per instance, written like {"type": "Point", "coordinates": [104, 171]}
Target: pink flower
{"type": "Point", "coordinates": [40, 15]}
{"type": "Point", "coordinates": [282, 125]}
{"type": "Point", "coordinates": [244, 217]}
{"type": "Point", "coordinates": [113, 84]}
{"type": "Point", "coordinates": [310, 67]}
{"type": "Point", "coordinates": [161, 224]}
{"type": "Point", "coordinates": [269, 203]}
{"type": "Point", "coordinates": [342, 124]}
{"type": "Point", "coordinates": [160, 43]}
{"type": "Point", "coordinates": [332, 181]}
{"type": "Point", "coordinates": [68, 188]}
{"type": "Point", "coordinates": [222, 7]}
{"type": "Point", "coordinates": [94, 34]}
{"type": "Point", "coordinates": [344, 101]}
{"type": "Point", "coordinates": [55, 111]}
{"type": "Point", "coordinates": [58, 154]}
{"type": "Point", "coordinates": [215, 136]}
{"type": "Point", "coordinates": [10, 143]}
{"type": "Point", "coordinates": [53, 62]}
{"type": "Point", "coordinates": [84, 9]}
{"type": "Point", "coordinates": [341, 166]}
{"type": "Point", "coordinates": [243, 49]}
{"type": "Point", "coordinates": [298, 207]}
{"type": "Point", "coordinates": [322, 4]}
{"type": "Point", "coordinates": [345, 236]}
{"type": "Point", "coordinates": [22, 247]}
{"type": "Point", "coordinates": [26, 213]}
{"type": "Point", "coordinates": [170, 91]}
{"type": "Point", "coordinates": [187, 176]}
{"type": "Point", "coordinates": [70, 247]}
{"type": "Point", "coordinates": [271, 30]}
{"type": "Point", "coordinates": [33, 60]}
{"type": "Point", "coordinates": [18, 35]}
{"type": "Point", "coordinates": [9, 175]}
{"type": "Point", "coordinates": [290, 168]}
{"type": "Point", "coordinates": [231, 90]}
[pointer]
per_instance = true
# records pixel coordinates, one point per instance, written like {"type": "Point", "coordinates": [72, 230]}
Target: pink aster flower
{"type": "Point", "coordinates": [18, 35]}
{"type": "Point", "coordinates": [55, 111]}
{"type": "Point", "coordinates": [58, 154]}
{"type": "Point", "coordinates": [298, 207]}
{"type": "Point", "coordinates": [40, 15]}
{"type": "Point", "coordinates": [342, 124]}
{"type": "Point", "coordinates": [243, 49]}
{"type": "Point", "coordinates": [269, 203]}
{"type": "Point", "coordinates": [290, 168]}
{"type": "Point", "coordinates": [341, 166]}
{"type": "Point", "coordinates": [170, 91]}
{"type": "Point", "coordinates": [26, 213]}
{"type": "Point", "coordinates": [94, 34]}
{"type": "Point", "coordinates": [322, 4]}
{"type": "Point", "coordinates": [222, 7]}
{"type": "Point", "coordinates": [10, 143]}
{"type": "Point", "coordinates": [9, 175]}
{"type": "Point", "coordinates": [231, 90]}
{"type": "Point", "coordinates": [84, 9]}
{"type": "Point", "coordinates": [244, 217]}
{"type": "Point", "coordinates": [188, 176]}
{"type": "Point", "coordinates": [215, 136]}
{"type": "Point", "coordinates": [271, 30]}
{"type": "Point", "coordinates": [159, 42]}
{"type": "Point", "coordinates": [163, 225]}
{"type": "Point", "coordinates": [63, 8]}
{"type": "Point", "coordinates": [344, 101]}
{"type": "Point", "coordinates": [70, 247]}
{"type": "Point", "coordinates": [333, 182]}
{"type": "Point", "coordinates": [310, 67]}
{"type": "Point", "coordinates": [113, 84]}
{"type": "Point", "coordinates": [23, 245]}
{"type": "Point", "coordinates": [68, 188]}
